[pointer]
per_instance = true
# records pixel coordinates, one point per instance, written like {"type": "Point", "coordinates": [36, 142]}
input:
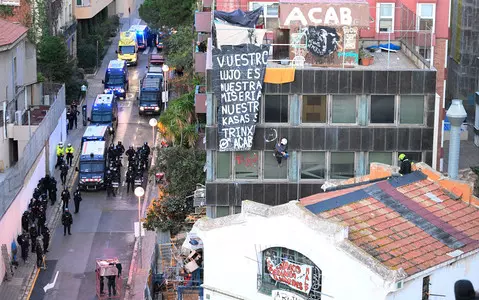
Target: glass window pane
{"type": "Point", "coordinates": [344, 109]}
{"type": "Point", "coordinates": [426, 10]}
{"type": "Point", "coordinates": [223, 165]}
{"type": "Point", "coordinates": [386, 10]}
{"type": "Point", "coordinates": [271, 168]}
{"type": "Point", "coordinates": [313, 165]}
{"type": "Point", "coordinates": [381, 157]}
{"type": "Point", "coordinates": [272, 10]}
{"type": "Point", "coordinates": [413, 156]}
{"type": "Point", "coordinates": [276, 108]}
{"type": "Point", "coordinates": [222, 211]}
{"type": "Point", "coordinates": [412, 109]}
{"type": "Point", "coordinates": [272, 23]}
{"type": "Point", "coordinates": [314, 109]}
{"type": "Point", "coordinates": [246, 165]}
{"type": "Point", "coordinates": [382, 109]}
{"type": "Point", "coordinates": [342, 165]}
{"type": "Point", "coordinates": [385, 25]}
{"type": "Point", "coordinates": [425, 24]}
{"type": "Point", "coordinates": [256, 5]}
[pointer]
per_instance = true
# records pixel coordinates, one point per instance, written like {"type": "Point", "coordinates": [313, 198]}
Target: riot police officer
{"type": "Point", "coordinates": [63, 173]}
{"type": "Point", "coordinates": [65, 198]}
{"type": "Point", "coordinates": [130, 179]}
{"type": "Point", "coordinates": [77, 199]}
{"type": "Point", "coordinates": [109, 184]}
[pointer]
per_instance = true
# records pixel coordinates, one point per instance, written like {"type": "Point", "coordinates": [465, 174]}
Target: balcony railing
{"type": "Point", "coordinates": [203, 21]}
{"type": "Point", "coordinates": [200, 99]}
{"type": "Point", "coordinates": [200, 62]}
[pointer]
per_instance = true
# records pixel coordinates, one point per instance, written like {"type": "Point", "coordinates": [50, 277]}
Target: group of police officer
{"type": "Point", "coordinates": [137, 164]}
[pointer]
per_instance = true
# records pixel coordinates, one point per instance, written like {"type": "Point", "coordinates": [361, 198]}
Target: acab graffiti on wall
{"type": "Point", "coordinates": [238, 74]}
{"type": "Point", "coordinates": [298, 277]}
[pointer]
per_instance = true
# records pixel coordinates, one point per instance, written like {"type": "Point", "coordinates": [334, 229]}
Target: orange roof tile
{"type": "Point", "coordinates": [392, 231]}
{"type": "Point", "coordinates": [10, 32]}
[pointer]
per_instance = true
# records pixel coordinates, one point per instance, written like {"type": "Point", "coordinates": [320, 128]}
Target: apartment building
{"type": "Point", "coordinates": [337, 115]}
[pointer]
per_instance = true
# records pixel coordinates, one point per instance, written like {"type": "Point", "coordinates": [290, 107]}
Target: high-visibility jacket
{"type": "Point", "coordinates": [69, 150]}
{"type": "Point", "coordinates": [59, 150]}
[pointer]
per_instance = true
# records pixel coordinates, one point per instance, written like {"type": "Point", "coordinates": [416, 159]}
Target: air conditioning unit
{"type": "Point", "coordinates": [18, 117]}
{"type": "Point", "coordinates": [46, 100]}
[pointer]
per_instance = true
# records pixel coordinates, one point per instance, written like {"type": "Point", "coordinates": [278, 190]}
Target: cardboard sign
{"type": "Point", "coordinates": [238, 74]}
{"type": "Point", "coordinates": [298, 277]}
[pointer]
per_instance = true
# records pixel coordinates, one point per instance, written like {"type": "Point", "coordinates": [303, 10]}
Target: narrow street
{"type": "Point", "coordinates": [104, 226]}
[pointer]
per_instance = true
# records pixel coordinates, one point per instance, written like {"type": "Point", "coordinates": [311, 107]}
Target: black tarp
{"type": "Point", "coordinates": [239, 17]}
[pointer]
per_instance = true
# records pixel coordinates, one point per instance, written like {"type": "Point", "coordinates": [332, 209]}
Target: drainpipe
{"type": "Point", "coordinates": [456, 115]}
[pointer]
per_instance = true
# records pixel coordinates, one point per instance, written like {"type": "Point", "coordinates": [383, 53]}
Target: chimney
{"type": "Point", "coordinates": [456, 115]}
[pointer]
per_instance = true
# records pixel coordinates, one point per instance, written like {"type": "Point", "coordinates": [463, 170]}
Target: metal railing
{"type": "Point", "coordinates": [16, 174]}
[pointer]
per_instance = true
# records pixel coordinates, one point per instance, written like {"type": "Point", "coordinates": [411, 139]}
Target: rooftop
{"type": "Point", "coordinates": [411, 222]}
{"type": "Point", "coordinates": [11, 32]}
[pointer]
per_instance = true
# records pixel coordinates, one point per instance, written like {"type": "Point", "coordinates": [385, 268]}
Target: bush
{"type": "Point", "coordinates": [86, 55]}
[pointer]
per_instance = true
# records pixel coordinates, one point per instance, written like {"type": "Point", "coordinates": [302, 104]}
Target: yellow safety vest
{"type": "Point", "coordinates": [59, 150]}
{"type": "Point", "coordinates": [70, 150]}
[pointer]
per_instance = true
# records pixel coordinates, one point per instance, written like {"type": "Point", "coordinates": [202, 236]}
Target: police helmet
{"type": "Point", "coordinates": [402, 156]}
{"type": "Point", "coordinates": [69, 145]}
{"type": "Point", "coordinates": [60, 144]}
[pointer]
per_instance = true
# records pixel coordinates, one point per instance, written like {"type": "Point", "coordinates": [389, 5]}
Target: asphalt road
{"type": "Point", "coordinates": [104, 226]}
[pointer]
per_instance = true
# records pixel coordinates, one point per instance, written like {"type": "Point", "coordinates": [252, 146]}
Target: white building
{"type": "Point", "coordinates": [398, 239]}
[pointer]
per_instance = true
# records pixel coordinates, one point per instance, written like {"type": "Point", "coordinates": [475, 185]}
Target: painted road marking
{"type": "Point", "coordinates": [155, 51]}
{"type": "Point", "coordinates": [51, 285]}
{"type": "Point", "coordinates": [147, 50]}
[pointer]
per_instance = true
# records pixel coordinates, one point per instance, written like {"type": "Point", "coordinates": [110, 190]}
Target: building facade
{"type": "Point", "coordinates": [337, 115]}
{"type": "Point", "coordinates": [353, 243]}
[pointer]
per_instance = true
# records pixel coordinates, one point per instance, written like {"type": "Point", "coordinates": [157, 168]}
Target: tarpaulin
{"type": "Point", "coordinates": [279, 75]}
{"type": "Point", "coordinates": [236, 35]}
{"type": "Point", "coordinates": [239, 17]}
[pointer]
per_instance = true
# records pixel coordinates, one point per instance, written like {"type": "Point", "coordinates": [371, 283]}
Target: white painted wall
{"type": "Point", "coordinates": [11, 222]}
{"type": "Point", "coordinates": [230, 253]}
{"type": "Point", "coordinates": [59, 134]}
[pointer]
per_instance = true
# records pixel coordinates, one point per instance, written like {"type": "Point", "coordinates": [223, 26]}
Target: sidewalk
{"type": "Point", "coordinates": [19, 286]}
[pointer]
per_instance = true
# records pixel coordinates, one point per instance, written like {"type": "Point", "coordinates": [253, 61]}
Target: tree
{"type": "Point", "coordinates": [179, 48]}
{"type": "Point", "coordinates": [183, 169]}
{"type": "Point", "coordinates": [52, 58]}
{"type": "Point", "coordinates": [177, 123]}
{"type": "Point", "coordinates": [169, 13]}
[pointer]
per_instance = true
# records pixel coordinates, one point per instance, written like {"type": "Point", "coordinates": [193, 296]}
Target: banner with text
{"type": "Point", "coordinates": [238, 74]}
{"type": "Point", "coordinates": [297, 276]}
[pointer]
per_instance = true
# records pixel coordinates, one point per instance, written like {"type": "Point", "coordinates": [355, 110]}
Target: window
{"type": "Point", "coordinates": [313, 165]}
{"type": "Point", "coordinates": [342, 165]}
{"type": "Point", "coordinates": [14, 75]}
{"type": "Point", "coordinates": [271, 168]}
{"type": "Point", "coordinates": [344, 109]}
{"type": "Point", "coordinates": [411, 109]}
{"type": "Point", "coordinates": [246, 165]}
{"type": "Point", "coordinates": [276, 108]}
{"type": "Point", "coordinates": [426, 13]}
{"type": "Point", "coordinates": [425, 52]}
{"type": "Point", "coordinates": [413, 156]}
{"type": "Point", "coordinates": [382, 109]}
{"type": "Point", "coordinates": [385, 17]}
{"type": "Point", "coordinates": [79, 2]}
{"type": "Point", "coordinates": [380, 157]}
{"type": "Point", "coordinates": [314, 109]}
{"type": "Point", "coordinates": [270, 14]}
{"type": "Point", "coordinates": [425, 287]}
{"type": "Point", "coordinates": [222, 211]}
{"type": "Point", "coordinates": [223, 165]}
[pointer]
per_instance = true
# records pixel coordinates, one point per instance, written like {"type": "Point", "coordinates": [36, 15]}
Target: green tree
{"type": "Point", "coordinates": [169, 13]}
{"type": "Point", "coordinates": [183, 169]}
{"type": "Point", "coordinates": [179, 48]}
{"type": "Point", "coordinates": [52, 59]}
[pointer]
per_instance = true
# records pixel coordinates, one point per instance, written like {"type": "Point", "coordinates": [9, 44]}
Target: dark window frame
{"type": "Point", "coordinates": [395, 111]}
{"type": "Point", "coordinates": [264, 110]}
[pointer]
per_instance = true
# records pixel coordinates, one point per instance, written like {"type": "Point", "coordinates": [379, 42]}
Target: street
{"type": "Point", "coordinates": [104, 226]}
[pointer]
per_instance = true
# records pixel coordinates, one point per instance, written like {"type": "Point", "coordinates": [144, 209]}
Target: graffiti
{"type": "Point", "coordinates": [352, 55]}
{"type": "Point", "coordinates": [350, 35]}
{"type": "Point", "coordinates": [322, 40]}
{"type": "Point", "coordinates": [248, 160]}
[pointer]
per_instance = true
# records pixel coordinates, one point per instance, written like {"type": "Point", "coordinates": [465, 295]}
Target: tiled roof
{"type": "Point", "coordinates": [409, 223]}
{"type": "Point", "coordinates": [10, 32]}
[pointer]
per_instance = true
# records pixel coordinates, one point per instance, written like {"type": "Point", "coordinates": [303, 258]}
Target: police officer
{"type": "Point", "coordinates": [22, 240]}
{"type": "Point", "coordinates": [146, 148]}
{"type": "Point", "coordinates": [71, 118]}
{"type": "Point", "coordinates": [59, 151]}
{"type": "Point", "coordinates": [75, 114]}
{"type": "Point", "coordinates": [67, 221]}
{"type": "Point", "coordinates": [69, 152]}
{"type": "Point", "coordinates": [120, 149]}
{"type": "Point", "coordinates": [65, 198]}
{"type": "Point", "coordinates": [52, 190]}
{"type": "Point", "coordinates": [63, 173]}
{"type": "Point", "coordinates": [36, 193]}
{"type": "Point", "coordinates": [46, 238]}
{"type": "Point", "coordinates": [130, 153]}
{"type": "Point", "coordinates": [109, 184]}
{"type": "Point", "coordinates": [405, 164]}
{"type": "Point", "coordinates": [112, 152]}
{"type": "Point", "coordinates": [33, 235]}
{"type": "Point", "coordinates": [26, 218]}
{"type": "Point", "coordinates": [42, 219]}
{"type": "Point", "coordinates": [130, 179]}
{"type": "Point", "coordinates": [39, 251]}
{"type": "Point", "coordinates": [77, 199]}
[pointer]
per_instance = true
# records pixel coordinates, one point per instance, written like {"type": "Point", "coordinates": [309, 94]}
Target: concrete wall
{"type": "Point", "coordinates": [11, 222]}
{"type": "Point", "coordinates": [58, 135]}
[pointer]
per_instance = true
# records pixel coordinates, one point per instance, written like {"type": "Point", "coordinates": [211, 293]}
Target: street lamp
{"type": "Point", "coordinates": [153, 122]}
{"type": "Point", "coordinates": [139, 192]}
{"type": "Point", "coordinates": [165, 69]}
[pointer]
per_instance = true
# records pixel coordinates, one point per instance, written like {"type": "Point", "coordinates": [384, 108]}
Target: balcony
{"type": "Point", "coordinates": [207, 3]}
{"type": "Point", "coordinates": [200, 62]}
{"type": "Point", "coordinates": [200, 99]}
{"type": "Point", "coordinates": [203, 21]}
{"type": "Point", "coordinates": [87, 9]}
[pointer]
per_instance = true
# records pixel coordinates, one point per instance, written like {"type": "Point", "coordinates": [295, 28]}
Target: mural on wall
{"type": "Point", "coordinates": [238, 74]}
{"type": "Point", "coordinates": [349, 41]}
{"type": "Point", "coordinates": [322, 40]}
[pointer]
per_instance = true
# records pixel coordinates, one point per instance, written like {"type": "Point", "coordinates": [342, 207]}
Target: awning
{"type": "Point", "coordinates": [279, 75]}
{"type": "Point", "coordinates": [333, 13]}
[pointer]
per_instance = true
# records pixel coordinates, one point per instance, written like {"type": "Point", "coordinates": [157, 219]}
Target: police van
{"type": "Point", "coordinates": [97, 133]}
{"type": "Point", "coordinates": [92, 166]}
{"type": "Point", "coordinates": [116, 78]}
{"type": "Point", "coordinates": [104, 111]}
